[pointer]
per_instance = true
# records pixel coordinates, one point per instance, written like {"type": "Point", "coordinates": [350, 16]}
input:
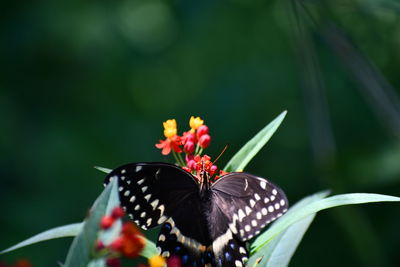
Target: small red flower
{"type": "Point", "coordinates": [189, 147]}
{"type": "Point", "coordinates": [106, 222]}
{"type": "Point", "coordinates": [204, 140]}
{"type": "Point", "coordinates": [131, 242]}
{"type": "Point", "coordinates": [188, 136]}
{"type": "Point", "coordinates": [117, 213]}
{"type": "Point", "coordinates": [174, 261]}
{"type": "Point", "coordinates": [170, 143]}
{"type": "Point", "coordinates": [202, 130]}
{"type": "Point", "coordinates": [99, 245]}
{"type": "Point", "coordinates": [113, 262]}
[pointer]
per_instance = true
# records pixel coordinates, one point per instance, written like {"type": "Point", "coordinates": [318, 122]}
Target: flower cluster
{"type": "Point", "coordinates": [191, 143]}
{"type": "Point", "coordinates": [129, 243]}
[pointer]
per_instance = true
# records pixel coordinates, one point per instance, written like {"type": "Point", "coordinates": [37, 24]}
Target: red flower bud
{"type": "Point", "coordinates": [202, 130]}
{"type": "Point", "coordinates": [113, 262]}
{"type": "Point", "coordinates": [116, 245]}
{"type": "Point", "coordinates": [99, 245]}
{"type": "Point", "coordinates": [174, 261]}
{"type": "Point", "coordinates": [189, 147]}
{"type": "Point", "coordinates": [117, 213]}
{"type": "Point", "coordinates": [204, 140]}
{"type": "Point", "coordinates": [191, 164]}
{"type": "Point", "coordinates": [213, 169]}
{"type": "Point", "coordinates": [106, 222]}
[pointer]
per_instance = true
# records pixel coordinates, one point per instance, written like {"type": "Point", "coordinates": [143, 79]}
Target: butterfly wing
{"type": "Point", "coordinates": [242, 205]}
{"type": "Point", "coordinates": [151, 192]}
{"type": "Point", "coordinates": [161, 193]}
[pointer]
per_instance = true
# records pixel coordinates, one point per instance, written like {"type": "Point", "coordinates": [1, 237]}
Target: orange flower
{"type": "Point", "coordinates": [157, 261]}
{"type": "Point", "coordinates": [170, 143]}
{"type": "Point", "coordinates": [131, 241]}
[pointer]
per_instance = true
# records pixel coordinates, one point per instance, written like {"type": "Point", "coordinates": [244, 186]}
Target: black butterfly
{"type": "Point", "coordinates": [204, 224]}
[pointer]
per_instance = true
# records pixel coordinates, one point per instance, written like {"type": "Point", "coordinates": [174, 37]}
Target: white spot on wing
{"type": "Point", "coordinates": [144, 188]}
{"type": "Point", "coordinates": [127, 192]}
{"type": "Point", "coordinates": [257, 197]}
{"type": "Point", "coordinates": [123, 171]}
{"type": "Point", "coordinates": [140, 181]}
{"type": "Point", "coordinates": [264, 211]}
{"type": "Point", "coordinates": [162, 220]}
{"type": "Point", "coordinates": [132, 199]}
{"type": "Point", "coordinates": [277, 206]}
{"type": "Point", "coordinates": [138, 168]}
{"type": "Point", "coordinates": [254, 223]}
{"type": "Point", "coordinates": [247, 228]}
{"type": "Point", "coordinates": [248, 210]}
{"type": "Point", "coordinates": [252, 203]}
{"type": "Point", "coordinates": [263, 184]}
{"type": "Point", "coordinates": [238, 263]}
{"type": "Point", "coordinates": [270, 208]}
{"type": "Point", "coordinates": [143, 214]}
{"type": "Point", "coordinates": [282, 202]}
{"type": "Point", "coordinates": [154, 203]}
{"type": "Point", "coordinates": [241, 215]}
{"type": "Point", "coordinates": [147, 197]}
{"type": "Point", "coordinates": [161, 238]}
{"type": "Point", "coordinates": [259, 215]}
{"type": "Point", "coordinates": [137, 207]}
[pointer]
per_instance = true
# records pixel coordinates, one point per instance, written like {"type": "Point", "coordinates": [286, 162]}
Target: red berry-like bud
{"type": "Point", "coordinates": [202, 130]}
{"type": "Point", "coordinates": [99, 245]}
{"type": "Point", "coordinates": [174, 261]}
{"type": "Point", "coordinates": [106, 222]}
{"type": "Point", "coordinates": [117, 213]}
{"type": "Point", "coordinates": [116, 245]}
{"type": "Point", "coordinates": [204, 140]}
{"type": "Point", "coordinates": [113, 262]}
{"type": "Point", "coordinates": [191, 164]}
{"type": "Point", "coordinates": [189, 147]}
{"type": "Point", "coordinates": [213, 168]}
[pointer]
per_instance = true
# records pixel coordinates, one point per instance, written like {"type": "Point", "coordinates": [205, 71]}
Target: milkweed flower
{"type": "Point", "coordinates": [195, 123]}
{"type": "Point", "coordinates": [172, 141]}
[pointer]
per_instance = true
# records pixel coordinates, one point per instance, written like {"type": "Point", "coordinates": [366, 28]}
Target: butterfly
{"type": "Point", "coordinates": [202, 223]}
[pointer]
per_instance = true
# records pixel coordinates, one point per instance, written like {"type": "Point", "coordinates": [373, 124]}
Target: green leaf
{"type": "Point", "coordinates": [80, 252]}
{"type": "Point", "coordinates": [280, 249]}
{"type": "Point", "coordinates": [239, 161]}
{"type": "Point", "coordinates": [102, 169]}
{"type": "Point", "coordinates": [58, 232]}
{"type": "Point", "coordinates": [296, 214]}
{"type": "Point", "coordinates": [149, 250]}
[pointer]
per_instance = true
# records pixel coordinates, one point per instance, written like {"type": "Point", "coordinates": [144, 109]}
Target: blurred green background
{"type": "Point", "coordinates": [89, 83]}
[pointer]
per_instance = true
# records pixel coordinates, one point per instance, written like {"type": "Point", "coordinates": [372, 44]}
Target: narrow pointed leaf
{"type": "Point", "coordinates": [298, 214]}
{"type": "Point", "coordinates": [251, 148]}
{"type": "Point", "coordinates": [102, 169]}
{"type": "Point", "coordinates": [58, 232]}
{"type": "Point", "coordinates": [280, 249]}
{"type": "Point", "coordinates": [80, 252]}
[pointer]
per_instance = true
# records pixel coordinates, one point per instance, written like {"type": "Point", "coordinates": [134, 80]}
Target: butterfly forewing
{"type": "Point", "coordinates": [151, 192]}
{"type": "Point", "coordinates": [247, 203]}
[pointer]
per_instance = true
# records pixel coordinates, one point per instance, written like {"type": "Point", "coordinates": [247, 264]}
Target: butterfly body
{"type": "Point", "coordinates": [203, 223]}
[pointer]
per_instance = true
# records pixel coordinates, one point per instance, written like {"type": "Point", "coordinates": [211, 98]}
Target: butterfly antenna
{"type": "Point", "coordinates": [220, 154]}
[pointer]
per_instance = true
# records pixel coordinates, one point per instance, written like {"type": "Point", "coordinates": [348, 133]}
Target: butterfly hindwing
{"type": "Point", "coordinates": [245, 204]}
{"type": "Point", "coordinates": [151, 192]}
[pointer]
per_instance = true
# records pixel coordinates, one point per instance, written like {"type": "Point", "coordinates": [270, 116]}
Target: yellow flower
{"type": "Point", "coordinates": [195, 123]}
{"type": "Point", "coordinates": [157, 261]}
{"type": "Point", "coordinates": [170, 128]}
